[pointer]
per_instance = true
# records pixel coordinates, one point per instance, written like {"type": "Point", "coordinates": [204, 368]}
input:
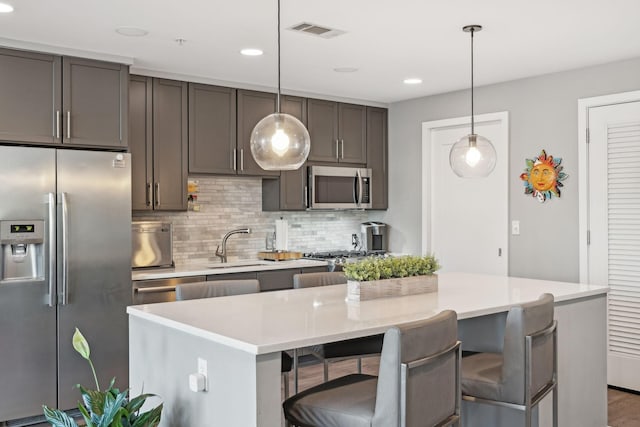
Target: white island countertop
{"type": "Point", "coordinates": [272, 321]}
{"type": "Point", "coordinates": [215, 267]}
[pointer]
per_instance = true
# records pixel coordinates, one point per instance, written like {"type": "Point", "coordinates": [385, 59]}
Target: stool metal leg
{"type": "Point", "coordinates": [359, 365]}
{"type": "Point", "coordinates": [326, 370]}
{"type": "Point", "coordinates": [295, 371]}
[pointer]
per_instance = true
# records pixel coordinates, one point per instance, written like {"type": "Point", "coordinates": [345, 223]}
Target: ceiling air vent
{"type": "Point", "coordinates": [316, 30]}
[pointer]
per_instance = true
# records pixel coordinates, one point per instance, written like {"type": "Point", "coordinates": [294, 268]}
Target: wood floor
{"type": "Point", "coordinates": [624, 408]}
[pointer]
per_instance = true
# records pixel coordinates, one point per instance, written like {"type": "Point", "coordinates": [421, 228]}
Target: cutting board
{"type": "Point", "coordinates": [279, 256]}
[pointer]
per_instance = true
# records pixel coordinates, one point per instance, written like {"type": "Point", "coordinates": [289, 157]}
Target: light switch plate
{"type": "Point", "coordinates": [515, 228]}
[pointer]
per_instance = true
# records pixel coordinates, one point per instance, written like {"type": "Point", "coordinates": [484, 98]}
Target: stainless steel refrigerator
{"type": "Point", "coordinates": [65, 247]}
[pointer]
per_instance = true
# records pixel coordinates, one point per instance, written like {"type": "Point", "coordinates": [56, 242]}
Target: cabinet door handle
{"type": "Point", "coordinates": [337, 149]}
{"type": "Point", "coordinates": [157, 195]}
{"type": "Point", "coordinates": [57, 124]}
{"type": "Point", "coordinates": [305, 196]}
{"type": "Point", "coordinates": [148, 194]}
{"type": "Point", "coordinates": [68, 124]}
{"type": "Point", "coordinates": [342, 149]}
{"type": "Point", "coordinates": [242, 159]}
{"type": "Point", "coordinates": [235, 159]}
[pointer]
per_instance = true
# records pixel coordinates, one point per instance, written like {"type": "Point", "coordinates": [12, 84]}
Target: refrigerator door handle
{"type": "Point", "coordinates": [52, 249]}
{"type": "Point", "coordinates": [65, 250]}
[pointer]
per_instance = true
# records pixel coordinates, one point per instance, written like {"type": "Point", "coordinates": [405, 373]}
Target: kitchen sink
{"type": "Point", "coordinates": [237, 264]}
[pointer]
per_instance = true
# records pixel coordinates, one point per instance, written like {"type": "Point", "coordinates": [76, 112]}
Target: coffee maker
{"type": "Point", "coordinates": [374, 236]}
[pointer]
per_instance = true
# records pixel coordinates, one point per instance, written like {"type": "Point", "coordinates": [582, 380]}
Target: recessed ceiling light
{"type": "Point", "coordinates": [5, 8]}
{"type": "Point", "coordinates": [412, 81]}
{"type": "Point", "coordinates": [345, 69]}
{"type": "Point", "coordinates": [131, 31]}
{"type": "Point", "coordinates": [180, 41]}
{"type": "Point", "coordinates": [251, 52]}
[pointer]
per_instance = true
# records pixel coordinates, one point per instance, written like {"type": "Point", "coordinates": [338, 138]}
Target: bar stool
{"type": "Point", "coordinates": [222, 288]}
{"type": "Point", "coordinates": [418, 383]}
{"type": "Point", "coordinates": [526, 371]}
{"type": "Point", "coordinates": [340, 350]}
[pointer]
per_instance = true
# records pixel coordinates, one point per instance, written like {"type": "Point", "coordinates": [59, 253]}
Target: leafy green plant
{"type": "Point", "coordinates": [391, 267]}
{"type": "Point", "coordinates": [108, 408]}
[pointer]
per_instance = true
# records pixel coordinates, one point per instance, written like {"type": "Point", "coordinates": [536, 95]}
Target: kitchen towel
{"type": "Point", "coordinates": [282, 229]}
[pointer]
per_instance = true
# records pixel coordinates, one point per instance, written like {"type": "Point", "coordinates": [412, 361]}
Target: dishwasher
{"type": "Point", "coordinates": [160, 290]}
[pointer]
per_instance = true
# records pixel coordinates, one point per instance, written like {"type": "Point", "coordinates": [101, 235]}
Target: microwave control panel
{"type": "Point", "coordinates": [365, 198]}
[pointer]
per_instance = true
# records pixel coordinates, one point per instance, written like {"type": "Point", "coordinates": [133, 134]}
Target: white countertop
{"type": "Point", "coordinates": [273, 321]}
{"type": "Point", "coordinates": [215, 268]}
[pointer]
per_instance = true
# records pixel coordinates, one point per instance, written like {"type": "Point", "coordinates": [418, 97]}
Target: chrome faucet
{"type": "Point", "coordinates": [223, 254]}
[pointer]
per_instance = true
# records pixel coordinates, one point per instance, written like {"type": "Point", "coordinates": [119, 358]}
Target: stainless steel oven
{"type": "Point", "coordinates": [335, 187]}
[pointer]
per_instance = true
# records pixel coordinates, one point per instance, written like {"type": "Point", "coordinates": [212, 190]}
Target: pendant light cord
{"type": "Point", "coordinates": [278, 97]}
{"type": "Point", "coordinates": [472, 121]}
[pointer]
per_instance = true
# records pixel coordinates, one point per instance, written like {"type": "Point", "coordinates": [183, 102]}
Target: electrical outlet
{"type": "Point", "coordinates": [515, 228]}
{"type": "Point", "coordinates": [202, 370]}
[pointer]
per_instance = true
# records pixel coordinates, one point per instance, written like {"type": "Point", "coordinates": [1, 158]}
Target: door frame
{"type": "Point", "coordinates": [428, 155]}
{"type": "Point", "coordinates": [583, 168]}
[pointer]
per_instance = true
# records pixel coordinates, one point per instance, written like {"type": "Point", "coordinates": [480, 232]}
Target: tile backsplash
{"type": "Point", "coordinates": [227, 203]}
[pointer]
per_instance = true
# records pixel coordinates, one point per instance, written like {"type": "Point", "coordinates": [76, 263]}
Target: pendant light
{"type": "Point", "coordinates": [472, 156]}
{"type": "Point", "coordinates": [280, 141]}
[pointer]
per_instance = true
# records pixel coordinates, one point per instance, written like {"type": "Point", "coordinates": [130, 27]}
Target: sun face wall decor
{"type": "Point", "coordinates": [542, 177]}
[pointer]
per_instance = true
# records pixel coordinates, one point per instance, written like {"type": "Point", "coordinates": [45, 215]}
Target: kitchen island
{"type": "Point", "coordinates": [240, 339]}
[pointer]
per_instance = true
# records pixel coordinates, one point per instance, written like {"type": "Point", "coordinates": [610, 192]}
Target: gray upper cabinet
{"type": "Point", "coordinates": [94, 103]}
{"type": "Point", "coordinates": [170, 142]}
{"type": "Point", "coordinates": [287, 193]}
{"type": "Point", "coordinates": [48, 99]}
{"type": "Point", "coordinates": [338, 132]}
{"type": "Point", "coordinates": [212, 129]}
{"type": "Point", "coordinates": [352, 132]}
{"type": "Point", "coordinates": [377, 155]}
{"type": "Point", "coordinates": [158, 143]}
{"type": "Point", "coordinates": [141, 141]}
{"type": "Point", "coordinates": [31, 90]}
{"type": "Point", "coordinates": [252, 107]}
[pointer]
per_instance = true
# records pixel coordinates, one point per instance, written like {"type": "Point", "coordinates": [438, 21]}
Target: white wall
{"type": "Point", "coordinates": [542, 115]}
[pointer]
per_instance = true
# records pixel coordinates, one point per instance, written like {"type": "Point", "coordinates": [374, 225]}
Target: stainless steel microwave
{"type": "Point", "coordinates": [335, 187]}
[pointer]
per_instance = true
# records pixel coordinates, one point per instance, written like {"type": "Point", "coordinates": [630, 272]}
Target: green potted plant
{"type": "Point", "coordinates": [104, 408]}
{"type": "Point", "coordinates": [391, 276]}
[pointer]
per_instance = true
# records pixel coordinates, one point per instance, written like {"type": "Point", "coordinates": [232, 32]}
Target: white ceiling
{"type": "Point", "coordinates": [387, 41]}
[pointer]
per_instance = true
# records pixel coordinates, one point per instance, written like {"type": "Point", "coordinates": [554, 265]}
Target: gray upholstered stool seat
{"type": "Point", "coordinates": [482, 375]}
{"type": "Point", "coordinates": [418, 384]}
{"type": "Point", "coordinates": [352, 406]}
{"type": "Point", "coordinates": [526, 370]}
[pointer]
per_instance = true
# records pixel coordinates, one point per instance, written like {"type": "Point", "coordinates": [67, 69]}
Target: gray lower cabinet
{"type": "Point", "coordinates": [377, 155]}
{"type": "Point", "coordinates": [338, 132]}
{"type": "Point", "coordinates": [158, 139]}
{"type": "Point", "coordinates": [252, 107]}
{"type": "Point", "coordinates": [233, 276]}
{"type": "Point", "coordinates": [48, 99]}
{"type": "Point", "coordinates": [288, 193]}
{"type": "Point", "coordinates": [212, 129]}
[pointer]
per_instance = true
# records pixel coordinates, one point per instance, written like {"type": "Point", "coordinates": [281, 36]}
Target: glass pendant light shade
{"type": "Point", "coordinates": [472, 156]}
{"type": "Point", "coordinates": [280, 142]}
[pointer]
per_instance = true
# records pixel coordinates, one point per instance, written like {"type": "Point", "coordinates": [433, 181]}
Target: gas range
{"type": "Point", "coordinates": [337, 258]}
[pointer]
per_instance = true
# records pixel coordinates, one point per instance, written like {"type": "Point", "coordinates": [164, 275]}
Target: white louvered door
{"type": "Point", "coordinates": [614, 223]}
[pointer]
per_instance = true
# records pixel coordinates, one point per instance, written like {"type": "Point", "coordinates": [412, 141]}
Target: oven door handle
{"type": "Point", "coordinates": [154, 289]}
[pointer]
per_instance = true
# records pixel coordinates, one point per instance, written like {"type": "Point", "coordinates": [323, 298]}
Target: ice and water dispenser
{"type": "Point", "coordinates": [22, 250]}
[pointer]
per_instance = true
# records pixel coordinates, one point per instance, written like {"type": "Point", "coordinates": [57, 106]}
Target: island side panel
{"type": "Point", "coordinates": [161, 359]}
{"type": "Point", "coordinates": [582, 368]}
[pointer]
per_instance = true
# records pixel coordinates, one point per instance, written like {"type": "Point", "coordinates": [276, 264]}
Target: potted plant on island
{"type": "Point", "coordinates": [391, 276]}
{"type": "Point", "coordinates": [104, 408]}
